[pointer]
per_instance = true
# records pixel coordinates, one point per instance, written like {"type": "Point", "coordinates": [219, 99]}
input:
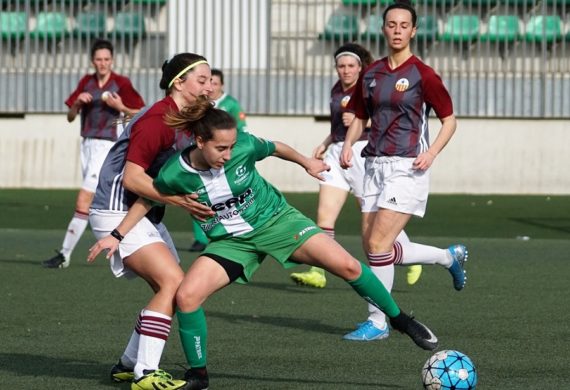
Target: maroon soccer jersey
{"type": "Point", "coordinates": [98, 120]}
{"type": "Point", "coordinates": [399, 102]}
{"type": "Point", "coordinates": [339, 103]}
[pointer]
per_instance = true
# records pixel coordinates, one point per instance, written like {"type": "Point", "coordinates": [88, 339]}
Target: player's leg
{"type": "Point", "coordinates": [200, 238]}
{"type": "Point", "coordinates": [208, 274]}
{"type": "Point", "coordinates": [331, 201]}
{"type": "Point", "coordinates": [322, 251]}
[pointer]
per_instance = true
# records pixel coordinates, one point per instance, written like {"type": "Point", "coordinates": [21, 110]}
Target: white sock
{"type": "Point", "coordinates": [129, 358]}
{"type": "Point", "coordinates": [424, 254]}
{"type": "Point", "coordinates": [74, 232]}
{"type": "Point", "coordinates": [154, 331]}
{"type": "Point", "coordinates": [385, 274]}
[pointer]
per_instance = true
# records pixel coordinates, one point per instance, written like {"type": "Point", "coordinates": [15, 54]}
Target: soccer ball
{"type": "Point", "coordinates": [449, 370]}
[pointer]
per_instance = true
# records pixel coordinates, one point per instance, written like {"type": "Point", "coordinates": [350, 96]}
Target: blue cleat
{"type": "Point", "coordinates": [366, 331]}
{"type": "Point", "coordinates": [459, 253]}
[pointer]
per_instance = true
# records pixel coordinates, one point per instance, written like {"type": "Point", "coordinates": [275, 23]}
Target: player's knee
{"type": "Point", "coordinates": [187, 298]}
{"type": "Point", "coordinates": [352, 270]}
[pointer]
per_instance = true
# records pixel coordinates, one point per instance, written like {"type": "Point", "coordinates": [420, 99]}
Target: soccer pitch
{"type": "Point", "coordinates": [64, 329]}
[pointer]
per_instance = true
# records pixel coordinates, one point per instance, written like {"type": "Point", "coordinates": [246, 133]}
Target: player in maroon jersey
{"type": "Point", "coordinates": [101, 99]}
{"type": "Point", "coordinates": [397, 94]}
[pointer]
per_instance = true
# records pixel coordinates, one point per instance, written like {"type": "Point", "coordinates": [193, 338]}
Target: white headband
{"type": "Point", "coordinates": [348, 53]}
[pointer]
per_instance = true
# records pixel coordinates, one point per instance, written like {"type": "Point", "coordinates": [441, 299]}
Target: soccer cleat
{"type": "Point", "coordinates": [413, 274]}
{"type": "Point", "coordinates": [418, 332]}
{"type": "Point", "coordinates": [121, 373]}
{"type": "Point", "coordinates": [196, 379]}
{"type": "Point", "coordinates": [310, 279]}
{"type": "Point", "coordinates": [197, 246]}
{"type": "Point", "coordinates": [58, 261]}
{"type": "Point", "coordinates": [366, 331]}
{"type": "Point", "coordinates": [459, 253]}
{"type": "Point", "coordinates": [157, 379]}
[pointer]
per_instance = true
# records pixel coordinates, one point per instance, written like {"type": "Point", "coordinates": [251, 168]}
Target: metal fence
{"type": "Point", "coordinates": [499, 58]}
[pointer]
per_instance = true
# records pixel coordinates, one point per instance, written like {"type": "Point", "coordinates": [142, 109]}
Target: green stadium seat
{"type": "Point", "coordinates": [475, 3]}
{"type": "Point", "coordinates": [149, 2]}
{"type": "Point", "coordinates": [341, 26]}
{"type": "Point", "coordinates": [50, 25]}
{"type": "Point", "coordinates": [427, 30]}
{"type": "Point", "coordinates": [371, 3]}
{"type": "Point", "coordinates": [519, 3]}
{"type": "Point", "coordinates": [558, 2]}
{"type": "Point", "coordinates": [89, 24]}
{"type": "Point", "coordinates": [461, 28]}
{"type": "Point", "coordinates": [373, 31]}
{"type": "Point", "coordinates": [544, 29]}
{"type": "Point", "coordinates": [446, 3]}
{"type": "Point", "coordinates": [502, 29]}
{"type": "Point", "coordinates": [129, 24]}
{"type": "Point", "coordinates": [13, 25]}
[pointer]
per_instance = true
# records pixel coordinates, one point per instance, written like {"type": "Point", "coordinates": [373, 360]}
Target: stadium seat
{"type": "Point", "coordinates": [446, 3]}
{"type": "Point", "coordinates": [502, 29]}
{"type": "Point", "coordinates": [475, 3]}
{"type": "Point", "coordinates": [129, 24]}
{"type": "Point", "coordinates": [149, 2]}
{"type": "Point", "coordinates": [13, 25]}
{"type": "Point", "coordinates": [558, 2]}
{"type": "Point", "coordinates": [519, 3]}
{"type": "Point", "coordinates": [544, 29]}
{"type": "Point", "coordinates": [89, 24]}
{"type": "Point", "coordinates": [461, 28]}
{"type": "Point", "coordinates": [50, 25]}
{"type": "Point", "coordinates": [372, 3]}
{"type": "Point", "coordinates": [373, 31]}
{"type": "Point", "coordinates": [427, 30]}
{"type": "Point", "coordinates": [341, 26]}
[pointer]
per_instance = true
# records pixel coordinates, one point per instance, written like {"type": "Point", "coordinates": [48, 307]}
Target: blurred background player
{"type": "Point", "coordinates": [228, 103]}
{"type": "Point", "coordinates": [350, 59]}
{"type": "Point", "coordinates": [397, 93]}
{"type": "Point", "coordinates": [101, 99]}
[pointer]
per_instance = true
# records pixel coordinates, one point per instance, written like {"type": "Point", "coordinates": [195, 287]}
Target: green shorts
{"type": "Point", "coordinates": [279, 238]}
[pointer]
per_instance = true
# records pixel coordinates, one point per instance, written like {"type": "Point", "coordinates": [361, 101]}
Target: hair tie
{"type": "Point", "coordinates": [186, 70]}
{"type": "Point", "coordinates": [348, 53]}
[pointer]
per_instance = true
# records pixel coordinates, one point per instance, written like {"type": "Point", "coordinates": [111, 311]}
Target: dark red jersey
{"type": "Point", "coordinates": [338, 104]}
{"type": "Point", "coordinates": [399, 102]}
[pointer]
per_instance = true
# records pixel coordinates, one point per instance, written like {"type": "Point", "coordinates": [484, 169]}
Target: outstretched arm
{"type": "Point", "coordinates": [313, 166]}
{"type": "Point", "coordinates": [110, 242]}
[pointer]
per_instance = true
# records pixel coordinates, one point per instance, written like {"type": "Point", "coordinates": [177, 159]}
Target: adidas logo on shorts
{"type": "Point", "coordinates": [392, 200]}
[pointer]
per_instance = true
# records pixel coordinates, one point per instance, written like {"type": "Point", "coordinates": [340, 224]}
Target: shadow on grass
{"type": "Point", "coordinates": [306, 383]}
{"type": "Point", "coordinates": [556, 224]}
{"type": "Point", "coordinates": [22, 364]}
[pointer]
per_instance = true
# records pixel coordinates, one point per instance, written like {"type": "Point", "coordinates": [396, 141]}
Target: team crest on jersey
{"type": "Point", "coordinates": [344, 101]}
{"type": "Point", "coordinates": [402, 85]}
{"type": "Point", "coordinates": [241, 174]}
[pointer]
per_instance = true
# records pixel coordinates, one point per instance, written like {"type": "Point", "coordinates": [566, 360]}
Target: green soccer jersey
{"type": "Point", "coordinates": [230, 105]}
{"type": "Point", "coordinates": [240, 197]}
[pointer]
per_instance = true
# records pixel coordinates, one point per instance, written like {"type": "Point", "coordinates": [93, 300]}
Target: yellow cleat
{"type": "Point", "coordinates": [413, 274]}
{"type": "Point", "coordinates": [310, 278]}
{"type": "Point", "coordinates": [157, 379]}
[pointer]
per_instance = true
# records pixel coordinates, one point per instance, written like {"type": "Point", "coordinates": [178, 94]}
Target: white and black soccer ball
{"type": "Point", "coordinates": [449, 370]}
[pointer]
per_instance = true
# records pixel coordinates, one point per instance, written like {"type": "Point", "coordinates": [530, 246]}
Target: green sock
{"type": "Point", "coordinates": [372, 290]}
{"type": "Point", "coordinates": [317, 269]}
{"type": "Point", "coordinates": [199, 234]}
{"type": "Point", "coordinates": [194, 336]}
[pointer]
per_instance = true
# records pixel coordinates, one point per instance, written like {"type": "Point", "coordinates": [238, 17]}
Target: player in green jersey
{"type": "Point", "coordinates": [252, 220]}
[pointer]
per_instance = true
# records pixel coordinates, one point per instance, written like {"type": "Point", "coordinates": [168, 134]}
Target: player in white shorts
{"type": "Point", "coordinates": [101, 99]}
{"type": "Point", "coordinates": [397, 93]}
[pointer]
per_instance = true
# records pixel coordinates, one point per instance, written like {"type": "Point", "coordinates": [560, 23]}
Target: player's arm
{"type": "Point", "coordinates": [116, 102]}
{"type": "Point", "coordinates": [83, 98]}
{"type": "Point", "coordinates": [136, 180]}
{"type": "Point", "coordinates": [353, 134]}
{"type": "Point", "coordinates": [448, 127]}
{"type": "Point", "coordinates": [111, 242]}
{"type": "Point", "coordinates": [319, 151]}
{"type": "Point", "coordinates": [313, 166]}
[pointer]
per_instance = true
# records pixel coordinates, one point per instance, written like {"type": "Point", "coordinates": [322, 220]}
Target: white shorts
{"type": "Point", "coordinates": [93, 153]}
{"type": "Point", "coordinates": [144, 233]}
{"type": "Point", "coordinates": [351, 179]}
{"type": "Point", "coordinates": [391, 183]}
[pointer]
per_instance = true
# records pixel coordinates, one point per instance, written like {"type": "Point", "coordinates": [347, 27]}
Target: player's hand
{"type": "Point", "coordinates": [423, 161]}
{"type": "Point", "coordinates": [189, 203]}
{"type": "Point", "coordinates": [115, 102]}
{"type": "Point", "coordinates": [347, 118]}
{"type": "Point", "coordinates": [346, 156]}
{"type": "Point", "coordinates": [109, 244]}
{"type": "Point", "coordinates": [315, 167]}
{"type": "Point", "coordinates": [319, 152]}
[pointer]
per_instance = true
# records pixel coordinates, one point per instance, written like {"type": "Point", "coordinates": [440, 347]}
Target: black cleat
{"type": "Point", "coordinates": [121, 373]}
{"type": "Point", "coordinates": [58, 261]}
{"type": "Point", "coordinates": [418, 332]}
{"type": "Point", "coordinates": [196, 379]}
{"type": "Point", "coordinates": [197, 247]}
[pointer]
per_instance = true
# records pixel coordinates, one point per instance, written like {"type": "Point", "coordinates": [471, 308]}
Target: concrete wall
{"type": "Point", "coordinates": [484, 157]}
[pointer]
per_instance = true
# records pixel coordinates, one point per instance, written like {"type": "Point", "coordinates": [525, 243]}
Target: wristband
{"type": "Point", "coordinates": [115, 233]}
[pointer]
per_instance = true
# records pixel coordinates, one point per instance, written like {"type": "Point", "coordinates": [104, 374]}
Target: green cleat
{"type": "Point", "coordinates": [157, 379]}
{"type": "Point", "coordinates": [121, 373]}
{"type": "Point", "coordinates": [310, 278]}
